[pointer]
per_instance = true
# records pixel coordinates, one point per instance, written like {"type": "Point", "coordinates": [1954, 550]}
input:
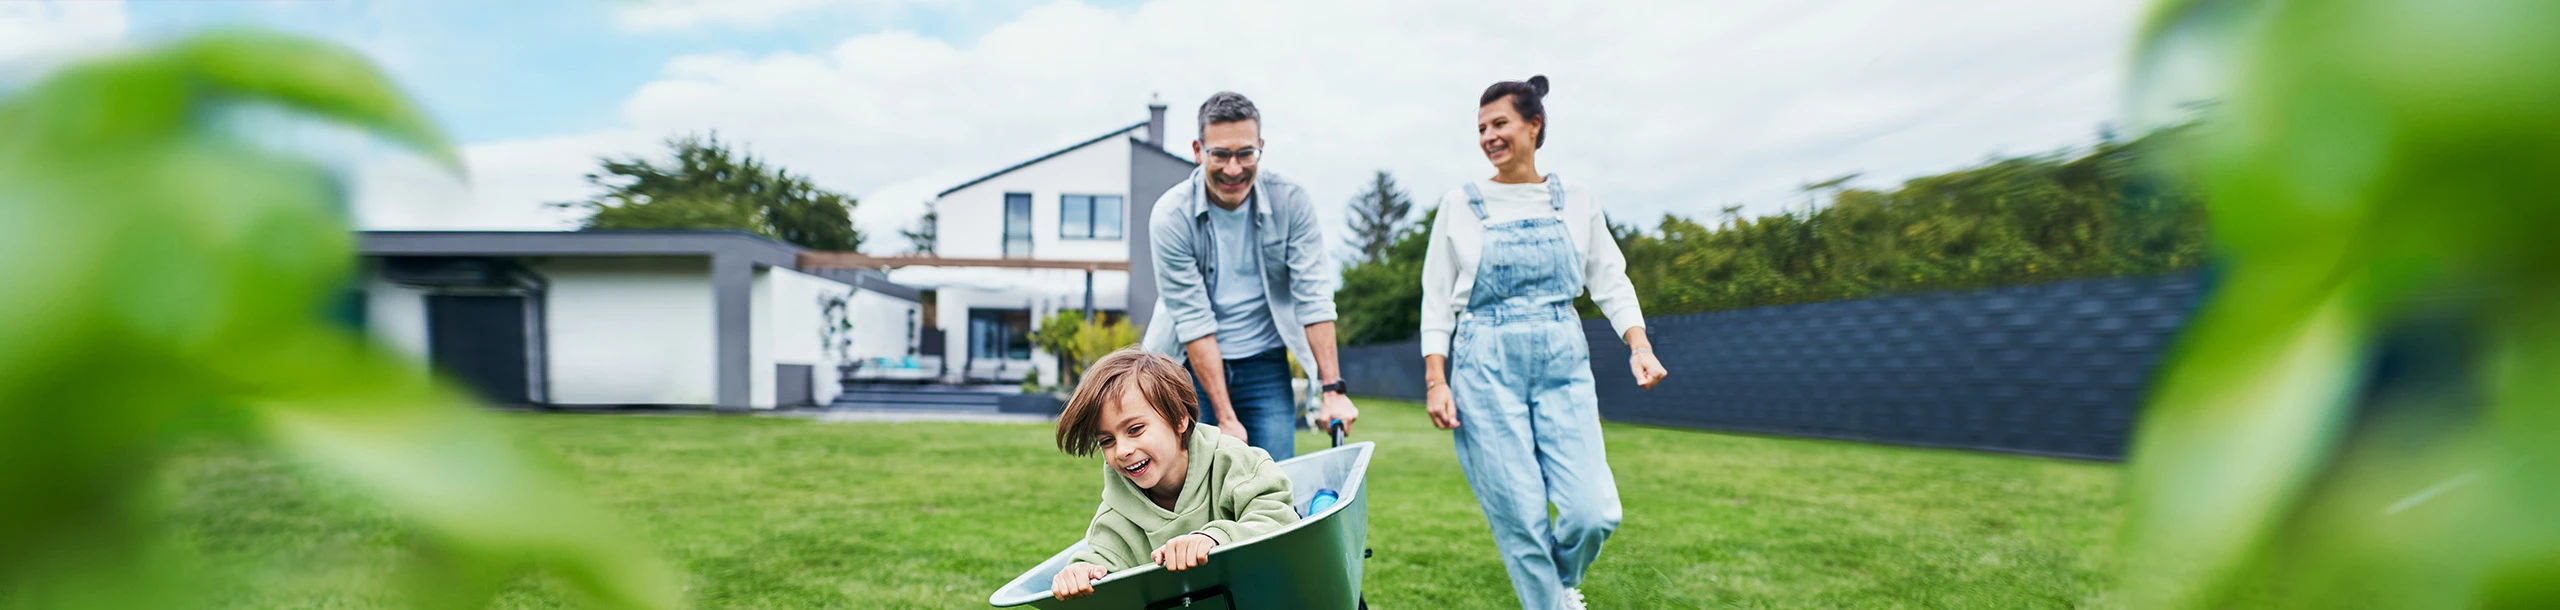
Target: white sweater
{"type": "Point", "coordinates": [1457, 238]}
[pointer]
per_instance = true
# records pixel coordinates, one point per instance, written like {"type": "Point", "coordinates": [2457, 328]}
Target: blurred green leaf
{"type": "Point", "coordinates": [2358, 157]}
{"type": "Point", "coordinates": [318, 78]}
{"type": "Point", "coordinates": [167, 279]}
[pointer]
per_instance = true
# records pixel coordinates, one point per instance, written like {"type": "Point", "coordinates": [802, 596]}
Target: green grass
{"type": "Point", "coordinates": [780, 513]}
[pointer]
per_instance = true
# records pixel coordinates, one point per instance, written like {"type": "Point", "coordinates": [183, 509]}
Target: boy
{"type": "Point", "coordinates": [1177, 487]}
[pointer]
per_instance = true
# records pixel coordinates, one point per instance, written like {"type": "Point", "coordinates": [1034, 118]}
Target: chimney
{"type": "Point", "coordinates": [1155, 120]}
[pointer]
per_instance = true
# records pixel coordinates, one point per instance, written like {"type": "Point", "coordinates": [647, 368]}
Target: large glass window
{"type": "Point", "coordinates": [1089, 216]}
{"type": "Point", "coordinates": [1075, 216]}
{"type": "Point", "coordinates": [1017, 225]}
{"type": "Point", "coordinates": [1107, 217]}
{"type": "Point", "coordinates": [1000, 333]}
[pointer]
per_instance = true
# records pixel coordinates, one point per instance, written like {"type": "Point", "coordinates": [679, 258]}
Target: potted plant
{"type": "Point", "coordinates": [835, 333]}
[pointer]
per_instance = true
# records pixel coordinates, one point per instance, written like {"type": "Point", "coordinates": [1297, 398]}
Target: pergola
{"type": "Point", "coordinates": [816, 259]}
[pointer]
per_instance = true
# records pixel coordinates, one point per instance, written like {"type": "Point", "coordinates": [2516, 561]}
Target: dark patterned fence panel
{"type": "Point", "coordinates": [2050, 369]}
{"type": "Point", "coordinates": [1392, 370]}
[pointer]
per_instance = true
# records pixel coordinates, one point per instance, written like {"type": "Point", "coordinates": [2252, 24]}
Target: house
{"type": "Point", "coordinates": [1065, 230]}
{"type": "Point", "coordinates": [629, 318]}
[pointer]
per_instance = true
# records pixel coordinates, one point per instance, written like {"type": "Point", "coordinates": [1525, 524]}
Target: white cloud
{"type": "Point", "coordinates": [507, 185]}
{"type": "Point", "coordinates": [37, 36]}
{"type": "Point", "coordinates": [1672, 106]}
{"type": "Point", "coordinates": [653, 15]}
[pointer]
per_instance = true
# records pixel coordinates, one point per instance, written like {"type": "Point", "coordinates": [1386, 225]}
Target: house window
{"type": "Point", "coordinates": [1000, 333]}
{"type": "Point", "coordinates": [1017, 225]}
{"type": "Point", "coordinates": [1089, 216]}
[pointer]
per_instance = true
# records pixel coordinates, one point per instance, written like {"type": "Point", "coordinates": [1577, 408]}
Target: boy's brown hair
{"type": "Point", "coordinates": [1157, 380]}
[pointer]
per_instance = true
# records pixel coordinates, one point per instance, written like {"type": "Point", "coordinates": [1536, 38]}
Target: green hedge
{"type": "Point", "coordinates": [2008, 221]}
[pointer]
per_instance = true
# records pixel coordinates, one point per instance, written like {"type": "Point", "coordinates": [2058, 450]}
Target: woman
{"type": "Point", "coordinates": [1506, 259]}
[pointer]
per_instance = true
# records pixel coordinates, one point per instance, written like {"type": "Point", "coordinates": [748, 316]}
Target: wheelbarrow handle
{"type": "Point", "coordinates": [1336, 429]}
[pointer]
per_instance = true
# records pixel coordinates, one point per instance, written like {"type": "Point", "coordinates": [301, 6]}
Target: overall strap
{"type": "Point", "coordinates": [1475, 199]}
{"type": "Point", "coordinates": [1555, 191]}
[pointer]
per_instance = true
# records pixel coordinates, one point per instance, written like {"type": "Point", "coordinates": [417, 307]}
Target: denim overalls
{"type": "Point", "coordinates": [1528, 423]}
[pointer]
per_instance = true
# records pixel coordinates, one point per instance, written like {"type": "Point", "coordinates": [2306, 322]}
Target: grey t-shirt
{"type": "Point", "coordinates": [1244, 312]}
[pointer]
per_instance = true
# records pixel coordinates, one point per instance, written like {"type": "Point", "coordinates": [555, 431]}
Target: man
{"type": "Point", "coordinates": [1241, 273]}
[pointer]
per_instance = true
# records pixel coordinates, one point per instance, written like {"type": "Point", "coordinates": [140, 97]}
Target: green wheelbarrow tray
{"type": "Point", "coordinates": [1314, 563]}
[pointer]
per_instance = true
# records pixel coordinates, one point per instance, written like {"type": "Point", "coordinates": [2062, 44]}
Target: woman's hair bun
{"type": "Point", "coordinates": [1539, 83]}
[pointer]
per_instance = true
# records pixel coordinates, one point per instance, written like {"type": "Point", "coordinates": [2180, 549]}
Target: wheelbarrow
{"type": "Point", "coordinates": [1314, 563]}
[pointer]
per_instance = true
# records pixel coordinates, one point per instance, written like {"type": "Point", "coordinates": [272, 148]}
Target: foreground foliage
{"type": "Point", "coordinates": [2367, 162]}
{"type": "Point", "coordinates": [164, 278]}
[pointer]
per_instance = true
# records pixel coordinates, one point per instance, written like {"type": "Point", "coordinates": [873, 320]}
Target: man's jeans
{"type": "Point", "coordinates": [1258, 386]}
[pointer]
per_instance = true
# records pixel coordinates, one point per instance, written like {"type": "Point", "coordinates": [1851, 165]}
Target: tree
{"type": "Point", "coordinates": [1079, 342]}
{"type": "Point", "coordinates": [927, 230]}
{"type": "Point", "coordinates": [1814, 191]}
{"type": "Point", "coordinates": [814, 218]}
{"type": "Point", "coordinates": [710, 185]}
{"type": "Point", "coordinates": [1377, 217]}
{"type": "Point", "coordinates": [1381, 298]}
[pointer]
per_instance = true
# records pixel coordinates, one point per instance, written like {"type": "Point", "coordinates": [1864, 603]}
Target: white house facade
{"type": "Point", "coordinates": [1062, 232]}
{"type": "Point", "coordinates": [629, 318]}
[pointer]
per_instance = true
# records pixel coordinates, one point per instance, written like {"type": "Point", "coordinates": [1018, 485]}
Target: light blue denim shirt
{"type": "Point", "coordinates": [1298, 289]}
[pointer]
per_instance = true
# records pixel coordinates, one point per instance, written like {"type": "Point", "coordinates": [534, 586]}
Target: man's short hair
{"type": "Point", "coordinates": [1227, 107]}
{"type": "Point", "coordinates": [1157, 379]}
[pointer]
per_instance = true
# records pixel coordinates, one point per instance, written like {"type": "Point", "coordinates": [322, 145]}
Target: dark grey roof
{"type": "Point", "coordinates": [739, 245]}
{"type": "Point", "coordinates": [1142, 143]}
{"type": "Point", "coordinates": [1051, 155]}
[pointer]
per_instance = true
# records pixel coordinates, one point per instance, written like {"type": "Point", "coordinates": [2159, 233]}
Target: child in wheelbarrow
{"type": "Point", "coordinates": [1176, 487]}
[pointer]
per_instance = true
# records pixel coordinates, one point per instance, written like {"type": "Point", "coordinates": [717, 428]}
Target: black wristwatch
{"type": "Point", "coordinates": [1338, 387]}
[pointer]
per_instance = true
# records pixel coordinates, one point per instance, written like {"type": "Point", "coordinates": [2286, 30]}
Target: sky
{"type": "Point", "coordinates": [1663, 106]}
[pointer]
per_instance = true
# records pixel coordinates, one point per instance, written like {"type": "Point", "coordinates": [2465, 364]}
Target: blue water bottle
{"type": "Point", "coordinates": [1324, 497]}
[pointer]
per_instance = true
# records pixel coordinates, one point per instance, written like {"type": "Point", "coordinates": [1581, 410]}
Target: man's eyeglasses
{"type": "Point", "coordinates": [1243, 156]}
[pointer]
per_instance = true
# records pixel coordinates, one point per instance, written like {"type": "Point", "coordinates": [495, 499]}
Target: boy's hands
{"type": "Point", "coordinates": [1185, 552]}
{"type": "Point", "coordinates": [1181, 553]}
{"type": "Point", "coordinates": [1076, 580]}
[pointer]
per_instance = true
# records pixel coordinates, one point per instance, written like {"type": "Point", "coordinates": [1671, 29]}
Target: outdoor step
{"type": "Point", "coordinates": [909, 407]}
{"type": "Point", "coordinates": [921, 397]}
{"type": "Point", "coordinates": [935, 388]}
{"type": "Point", "coordinates": [919, 392]}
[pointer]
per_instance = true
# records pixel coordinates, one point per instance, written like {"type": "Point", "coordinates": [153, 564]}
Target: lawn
{"type": "Point", "coordinates": [786, 513]}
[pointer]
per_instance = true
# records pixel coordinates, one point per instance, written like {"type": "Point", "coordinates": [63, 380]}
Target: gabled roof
{"type": "Point", "coordinates": [1141, 143]}
{"type": "Point", "coordinates": [1051, 155]}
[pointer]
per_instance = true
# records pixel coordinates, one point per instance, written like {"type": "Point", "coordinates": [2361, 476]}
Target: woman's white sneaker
{"type": "Point", "coordinates": [1573, 599]}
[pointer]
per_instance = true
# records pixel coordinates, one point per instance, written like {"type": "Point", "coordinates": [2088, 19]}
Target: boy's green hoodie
{"type": "Point", "coordinates": [1232, 492]}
